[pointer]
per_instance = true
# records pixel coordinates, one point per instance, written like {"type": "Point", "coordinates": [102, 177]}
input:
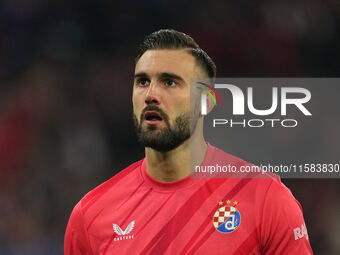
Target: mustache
{"type": "Point", "coordinates": [154, 108]}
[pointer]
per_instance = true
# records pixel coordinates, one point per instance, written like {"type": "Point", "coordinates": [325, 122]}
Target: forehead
{"type": "Point", "coordinates": [178, 62]}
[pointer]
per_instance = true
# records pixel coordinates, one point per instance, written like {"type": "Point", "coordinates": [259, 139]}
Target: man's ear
{"type": "Point", "coordinates": [210, 104]}
{"type": "Point", "coordinates": [210, 97]}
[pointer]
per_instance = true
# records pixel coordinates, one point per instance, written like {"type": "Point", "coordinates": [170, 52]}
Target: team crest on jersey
{"type": "Point", "coordinates": [227, 218]}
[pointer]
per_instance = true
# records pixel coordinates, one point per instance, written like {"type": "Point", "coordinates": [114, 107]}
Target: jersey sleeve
{"type": "Point", "coordinates": [76, 240]}
{"type": "Point", "coordinates": [283, 230]}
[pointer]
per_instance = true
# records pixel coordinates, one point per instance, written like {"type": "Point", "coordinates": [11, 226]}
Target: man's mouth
{"type": "Point", "coordinates": [152, 117]}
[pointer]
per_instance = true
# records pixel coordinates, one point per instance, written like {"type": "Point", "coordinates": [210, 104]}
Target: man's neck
{"type": "Point", "coordinates": [175, 164]}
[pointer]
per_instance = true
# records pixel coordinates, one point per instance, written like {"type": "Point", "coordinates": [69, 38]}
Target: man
{"type": "Point", "coordinates": [154, 206]}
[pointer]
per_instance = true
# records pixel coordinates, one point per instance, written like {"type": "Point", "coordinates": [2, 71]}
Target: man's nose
{"type": "Point", "coordinates": [152, 94]}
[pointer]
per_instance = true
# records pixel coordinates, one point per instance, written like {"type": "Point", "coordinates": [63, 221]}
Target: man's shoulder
{"type": "Point", "coordinates": [92, 196]}
{"type": "Point", "coordinates": [236, 166]}
{"type": "Point", "coordinates": [217, 155]}
{"type": "Point", "coordinates": [221, 155]}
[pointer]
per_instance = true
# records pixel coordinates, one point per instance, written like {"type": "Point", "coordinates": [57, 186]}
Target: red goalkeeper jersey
{"type": "Point", "coordinates": [132, 213]}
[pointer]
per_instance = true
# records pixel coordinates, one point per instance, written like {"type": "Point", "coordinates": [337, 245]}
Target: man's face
{"type": "Point", "coordinates": [161, 98]}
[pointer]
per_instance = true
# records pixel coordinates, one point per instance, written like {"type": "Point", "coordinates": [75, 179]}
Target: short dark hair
{"type": "Point", "coordinates": [172, 39]}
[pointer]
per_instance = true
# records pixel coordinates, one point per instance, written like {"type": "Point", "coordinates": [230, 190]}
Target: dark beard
{"type": "Point", "coordinates": [165, 139]}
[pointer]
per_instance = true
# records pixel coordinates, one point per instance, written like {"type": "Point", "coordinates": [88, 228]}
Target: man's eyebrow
{"type": "Point", "coordinates": [141, 75]}
{"type": "Point", "coordinates": [171, 76]}
{"type": "Point", "coordinates": [161, 76]}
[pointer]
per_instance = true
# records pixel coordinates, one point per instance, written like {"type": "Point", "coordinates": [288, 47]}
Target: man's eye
{"type": "Point", "coordinates": [170, 83]}
{"type": "Point", "coordinates": [143, 82]}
